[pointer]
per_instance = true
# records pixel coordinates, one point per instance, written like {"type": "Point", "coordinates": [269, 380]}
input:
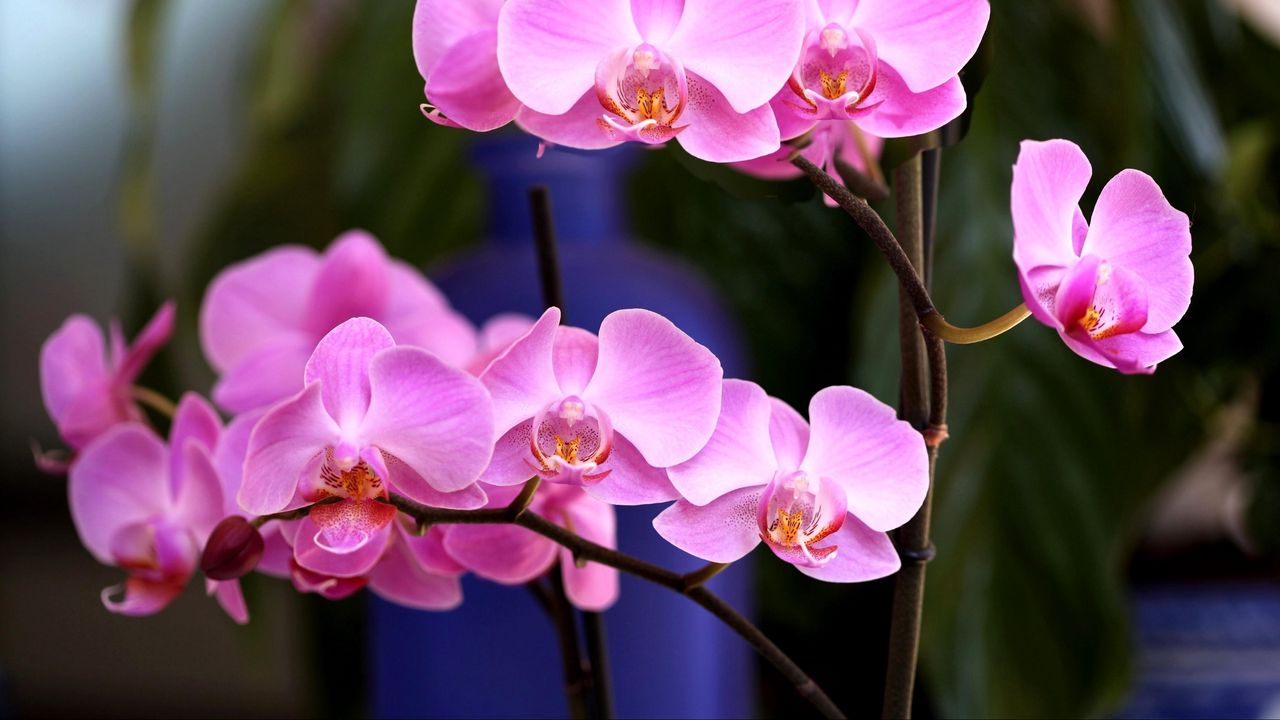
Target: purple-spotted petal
{"type": "Point", "coordinates": [120, 479]}
{"type": "Point", "coordinates": [502, 553]}
{"type": "Point", "coordinates": [858, 442]}
{"type": "Point", "coordinates": [340, 364]}
{"type": "Point", "coordinates": [659, 387]}
{"type": "Point", "coordinates": [740, 453]}
{"type": "Point", "coordinates": [1136, 229]}
{"type": "Point", "coordinates": [548, 49]}
{"type": "Point", "coordinates": [400, 579]}
{"type": "Point", "coordinates": [746, 53]}
{"type": "Point", "coordinates": [436, 419]}
{"type": "Point", "coordinates": [631, 480]}
{"type": "Point", "coordinates": [714, 131]}
{"type": "Point", "coordinates": [313, 556]}
{"type": "Point", "coordinates": [927, 41]}
{"type": "Point", "coordinates": [861, 554]}
{"type": "Point", "coordinates": [512, 461]}
{"type": "Point", "coordinates": [281, 446]}
{"type": "Point", "coordinates": [723, 530]}
{"type": "Point", "coordinates": [347, 525]}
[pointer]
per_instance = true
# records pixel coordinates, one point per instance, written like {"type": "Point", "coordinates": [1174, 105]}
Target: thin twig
{"type": "Point", "coordinates": [909, 279]}
{"type": "Point", "coordinates": [598, 651]}
{"type": "Point", "coordinates": [544, 237]}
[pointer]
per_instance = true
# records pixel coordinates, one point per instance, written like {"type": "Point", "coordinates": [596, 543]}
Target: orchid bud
{"type": "Point", "coordinates": [233, 550]}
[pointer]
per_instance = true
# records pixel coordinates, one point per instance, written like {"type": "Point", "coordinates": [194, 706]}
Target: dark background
{"type": "Point", "coordinates": [145, 145]}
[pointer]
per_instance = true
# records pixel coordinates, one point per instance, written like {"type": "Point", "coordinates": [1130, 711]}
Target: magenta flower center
{"type": "Point", "coordinates": [796, 511]}
{"type": "Point", "coordinates": [836, 75]}
{"type": "Point", "coordinates": [643, 92]}
{"type": "Point", "coordinates": [569, 441]}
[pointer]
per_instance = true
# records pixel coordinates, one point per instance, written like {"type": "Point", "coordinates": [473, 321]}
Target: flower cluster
{"type": "Point", "coordinates": [354, 384]}
{"type": "Point", "coordinates": [728, 81]}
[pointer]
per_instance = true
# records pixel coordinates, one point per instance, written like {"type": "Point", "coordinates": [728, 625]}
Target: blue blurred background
{"type": "Point", "coordinates": [1107, 546]}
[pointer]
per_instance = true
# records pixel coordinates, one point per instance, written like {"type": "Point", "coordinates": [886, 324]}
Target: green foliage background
{"type": "Point", "coordinates": [1052, 463]}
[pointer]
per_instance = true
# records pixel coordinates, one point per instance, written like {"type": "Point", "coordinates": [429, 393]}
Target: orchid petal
{"type": "Point", "coordinates": [141, 596]}
{"type": "Point", "coordinates": [660, 388]}
{"type": "Point", "coordinates": [579, 127]}
{"type": "Point", "coordinates": [439, 25]}
{"type": "Point", "coordinates": [548, 49]}
{"type": "Point", "coordinates": [789, 433]}
{"type": "Point", "coordinates": [859, 443]}
{"type": "Point", "coordinates": [592, 587]}
{"type": "Point", "coordinates": [249, 304]}
{"type": "Point", "coordinates": [1135, 228]}
{"type": "Point", "coordinates": [861, 554]}
{"type": "Point", "coordinates": [468, 87]}
{"type": "Point", "coordinates": [400, 579]}
{"type": "Point", "coordinates": [267, 376]}
{"type": "Point", "coordinates": [522, 380]}
{"type": "Point", "coordinates": [574, 356]}
{"type": "Point", "coordinates": [927, 41]}
{"type": "Point", "coordinates": [340, 364]}
{"type": "Point", "coordinates": [716, 132]}
{"type": "Point", "coordinates": [351, 562]}
{"type": "Point", "coordinates": [503, 553]}
{"type": "Point", "coordinates": [896, 111]}
{"type": "Point", "coordinates": [281, 446]}
{"type": "Point", "coordinates": [746, 54]}
{"type": "Point", "coordinates": [347, 525]}
{"type": "Point", "coordinates": [118, 480]}
{"type": "Point", "coordinates": [150, 339]}
{"type": "Point", "coordinates": [436, 419]}
{"type": "Point", "coordinates": [740, 452]}
{"type": "Point", "coordinates": [631, 480]}
{"type": "Point", "coordinates": [723, 530]}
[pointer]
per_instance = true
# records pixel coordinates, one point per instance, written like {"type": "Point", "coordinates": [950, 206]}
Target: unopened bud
{"type": "Point", "coordinates": [233, 550]}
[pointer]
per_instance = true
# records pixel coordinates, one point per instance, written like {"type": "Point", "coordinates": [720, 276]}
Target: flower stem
{"type": "Point", "coordinates": [908, 272]}
{"type": "Point", "coordinates": [598, 651]}
{"type": "Point", "coordinates": [154, 400]}
{"type": "Point", "coordinates": [924, 375]}
{"type": "Point", "coordinates": [939, 327]}
{"type": "Point", "coordinates": [690, 584]}
{"type": "Point", "coordinates": [544, 238]}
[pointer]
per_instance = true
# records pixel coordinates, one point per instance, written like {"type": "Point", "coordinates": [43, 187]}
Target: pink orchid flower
{"type": "Point", "coordinates": [455, 44]}
{"type": "Point", "coordinates": [261, 318]}
{"type": "Point", "coordinates": [148, 508]}
{"type": "Point", "coordinates": [889, 65]}
{"type": "Point", "coordinates": [374, 417]}
{"type": "Point", "coordinates": [593, 74]}
{"type": "Point", "coordinates": [87, 384]}
{"type": "Point", "coordinates": [606, 413]}
{"type": "Point", "coordinates": [1114, 287]}
{"type": "Point", "coordinates": [512, 555]}
{"type": "Point", "coordinates": [829, 140]}
{"type": "Point", "coordinates": [413, 571]}
{"type": "Point", "coordinates": [820, 497]}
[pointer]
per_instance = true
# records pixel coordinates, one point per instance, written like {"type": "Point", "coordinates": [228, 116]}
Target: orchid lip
{"type": "Point", "coordinates": [796, 511]}
{"type": "Point", "coordinates": [835, 76]}
{"type": "Point", "coordinates": [643, 92]}
{"type": "Point", "coordinates": [569, 441]}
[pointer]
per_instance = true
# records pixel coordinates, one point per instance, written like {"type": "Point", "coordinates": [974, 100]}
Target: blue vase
{"type": "Point", "coordinates": [497, 655]}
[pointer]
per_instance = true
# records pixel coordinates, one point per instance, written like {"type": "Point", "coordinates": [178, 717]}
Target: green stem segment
{"type": "Point", "coordinates": [154, 400]}
{"type": "Point", "coordinates": [909, 277]}
{"type": "Point", "coordinates": [940, 328]}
